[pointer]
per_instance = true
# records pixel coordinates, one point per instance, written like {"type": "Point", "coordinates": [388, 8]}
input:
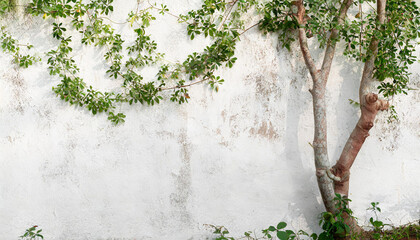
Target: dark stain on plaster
{"type": "Point", "coordinates": [415, 82]}
{"type": "Point", "coordinates": [46, 116]}
{"type": "Point", "coordinates": [234, 129]}
{"type": "Point", "coordinates": [180, 198]}
{"type": "Point", "coordinates": [222, 141]}
{"type": "Point", "coordinates": [62, 170]}
{"type": "Point", "coordinates": [389, 133]}
{"type": "Point", "coordinates": [15, 137]}
{"type": "Point", "coordinates": [165, 134]}
{"type": "Point", "coordinates": [267, 92]}
{"type": "Point", "coordinates": [265, 87]}
{"type": "Point", "coordinates": [223, 114]}
{"type": "Point", "coordinates": [57, 170]}
{"type": "Point", "coordinates": [265, 130]}
{"type": "Point", "coordinates": [19, 88]}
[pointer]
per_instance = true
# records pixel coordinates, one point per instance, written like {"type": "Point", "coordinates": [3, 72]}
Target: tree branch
{"type": "Point", "coordinates": [303, 41]}
{"type": "Point", "coordinates": [370, 105]}
{"type": "Point", "coordinates": [367, 77]}
{"type": "Point", "coordinates": [320, 143]}
{"type": "Point", "coordinates": [333, 39]}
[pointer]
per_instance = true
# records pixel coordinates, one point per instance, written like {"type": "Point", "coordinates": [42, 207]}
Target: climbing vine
{"type": "Point", "coordinates": [221, 21]}
{"type": "Point", "coordinates": [11, 46]}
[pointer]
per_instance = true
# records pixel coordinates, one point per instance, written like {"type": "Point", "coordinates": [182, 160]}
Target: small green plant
{"type": "Point", "coordinates": [333, 226]}
{"type": "Point", "coordinates": [281, 233]}
{"type": "Point", "coordinates": [381, 230]}
{"type": "Point", "coordinates": [377, 225]}
{"type": "Point", "coordinates": [408, 231]}
{"type": "Point", "coordinates": [221, 232]}
{"type": "Point", "coordinates": [32, 233]}
{"type": "Point", "coordinates": [272, 232]}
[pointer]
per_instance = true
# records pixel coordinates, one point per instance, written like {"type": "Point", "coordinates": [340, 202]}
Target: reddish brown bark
{"type": "Point", "coordinates": [336, 179]}
{"type": "Point", "coordinates": [370, 107]}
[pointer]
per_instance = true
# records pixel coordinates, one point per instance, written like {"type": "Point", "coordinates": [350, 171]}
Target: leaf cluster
{"type": "Point", "coordinates": [220, 20]}
{"type": "Point", "coordinates": [333, 224]}
{"type": "Point", "coordinates": [12, 47]}
{"type": "Point", "coordinates": [7, 6]}
{"type": "Point", "coordinates": [32, 233]}
{"type": "Point", "coordinates": [397, 42]}
{"type": "Point", "coordinates": [397, 36]}
{"type": "Point", "coordinates": [280, 17]}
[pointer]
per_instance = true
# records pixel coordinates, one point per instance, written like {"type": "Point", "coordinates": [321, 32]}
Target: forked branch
{"type": "Point", "coordinates": [369, 104]}
{"type": "Point", "coordinates": [320, 144]}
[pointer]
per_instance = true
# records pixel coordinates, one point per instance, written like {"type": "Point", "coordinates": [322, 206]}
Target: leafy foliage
{"type": "Point", "coordinates": [219, 20]}
{"type": "Point", "coordinates": [32, 233]}
{"type": "Point", "coordinates": [7, 6]}
{"type": "Point", "coordinates": [279, 16]}
{"type": "Point", "coordinates": [12, 47]}
{"type": "Point", "coordinates": [397, 37]}
{"type": "Point", "coordinates": [334, 224]}
{"type": "Point", "coordinates": [333, 227]}
{"type": "Point", "coordinates": [396, 43]}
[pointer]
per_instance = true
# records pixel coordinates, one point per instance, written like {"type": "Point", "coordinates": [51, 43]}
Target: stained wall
{"type": "Point", "coordinates": [240, 157]}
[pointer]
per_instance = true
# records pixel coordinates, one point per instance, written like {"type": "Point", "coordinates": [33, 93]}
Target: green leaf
{"type": "Point", "coordinates": [282, 235]}
{"type": "Point", "coordinates": [376, 236]}
{"type": "Point", "coordinates": [281, 225]}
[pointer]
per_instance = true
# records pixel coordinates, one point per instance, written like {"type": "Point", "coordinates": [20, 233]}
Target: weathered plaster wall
{"type": "Point", "coordinates": [238, 158]}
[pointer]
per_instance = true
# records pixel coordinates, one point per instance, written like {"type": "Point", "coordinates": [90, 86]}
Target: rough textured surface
{"type": "Point", "coordinates": [238, 158]}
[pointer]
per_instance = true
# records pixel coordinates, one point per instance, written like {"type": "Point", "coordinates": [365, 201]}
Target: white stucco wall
{"type": "Point", "coordinates": [238, 158]}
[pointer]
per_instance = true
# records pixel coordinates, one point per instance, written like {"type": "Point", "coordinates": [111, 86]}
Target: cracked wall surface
{"type": "Point", "coordinates": [239, 158]}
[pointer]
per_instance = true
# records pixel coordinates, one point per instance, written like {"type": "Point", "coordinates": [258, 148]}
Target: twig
{"type": "Point", "coordinates": [186, 85]}
{"type": "Point", "coordinates": [256, 24]}
{"type": "Point", "coordinates": [227, 15]}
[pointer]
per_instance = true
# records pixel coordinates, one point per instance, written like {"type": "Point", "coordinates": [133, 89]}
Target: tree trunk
{"type": "Point", "coordinates": [370, 105]}
{"type": "Point", "coordinates": [320, 145]}
{"type": "Point", "coordinates": [336, 180]}
{"type": "Point", "coordinates": [319, 78]}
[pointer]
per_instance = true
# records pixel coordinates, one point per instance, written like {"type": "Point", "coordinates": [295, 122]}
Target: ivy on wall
{"type": "Point", "coordinates": [222, 21]}
{"type": "Point", "coordinates": [218, 20]}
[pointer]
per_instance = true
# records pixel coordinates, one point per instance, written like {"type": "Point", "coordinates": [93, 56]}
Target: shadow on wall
{"type": "Point", "coordinates": [349, 89]}
{"type": "Point", "coordinates": [305, 203]}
